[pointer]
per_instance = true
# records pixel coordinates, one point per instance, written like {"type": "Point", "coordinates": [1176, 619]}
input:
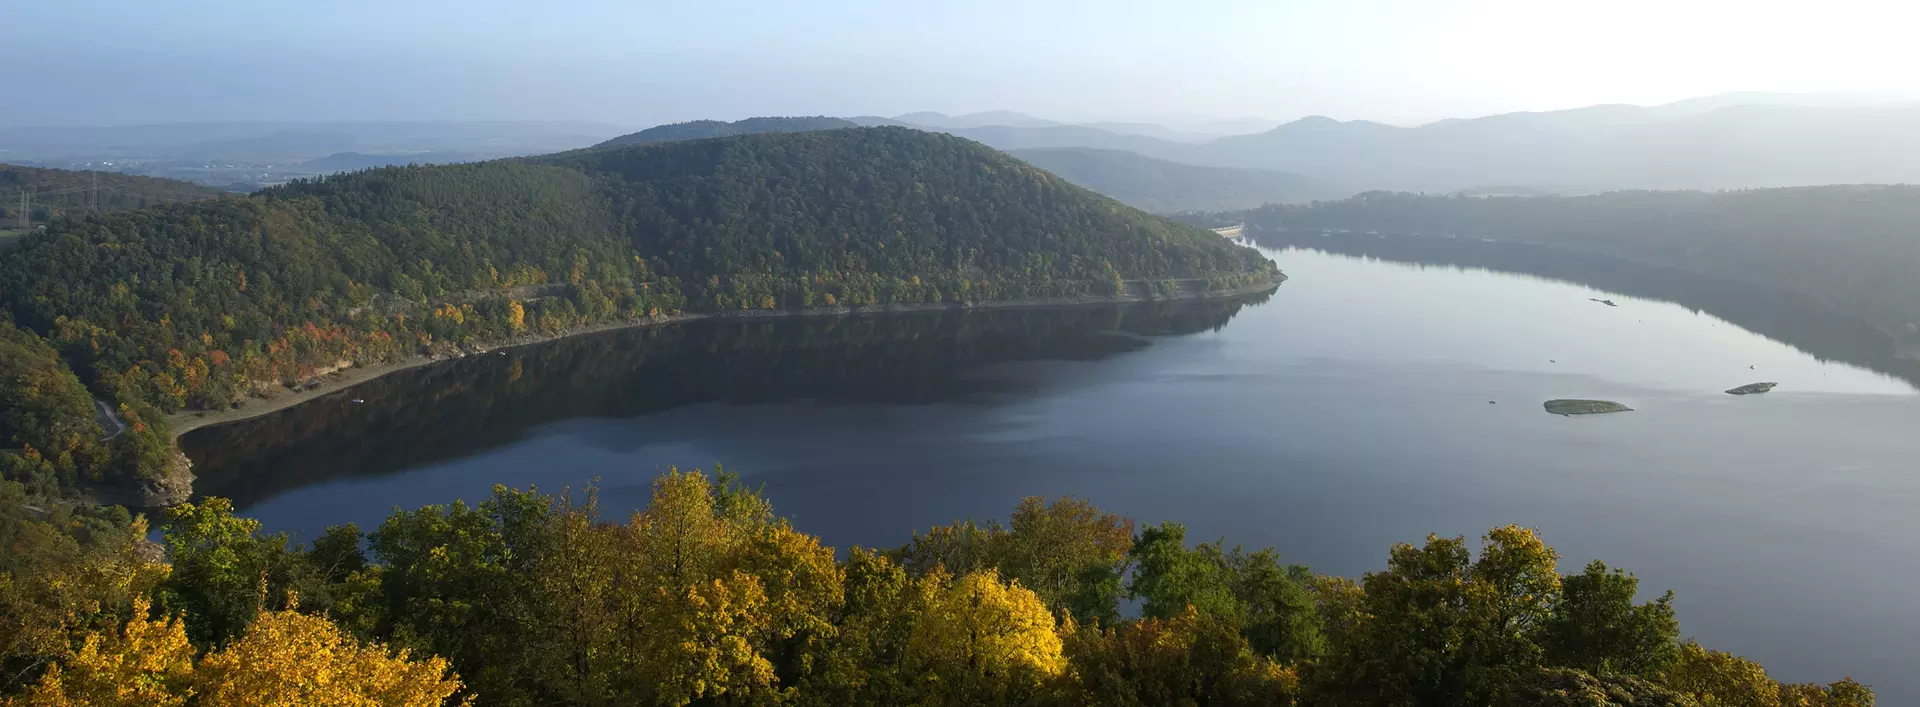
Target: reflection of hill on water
{"type": "Point", "coordinates": [462, 407]}
{"type": "Point", "coordinates": [1785, 317]}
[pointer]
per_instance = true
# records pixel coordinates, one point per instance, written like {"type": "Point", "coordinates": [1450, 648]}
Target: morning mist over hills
{"type": "Point", "coordinates": [1725, 141]}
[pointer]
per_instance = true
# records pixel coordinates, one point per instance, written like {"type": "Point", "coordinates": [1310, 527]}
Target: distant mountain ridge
{"type": "Point", "coordinates": [932, 119]}
{"type": "Point", "coordinates": [702, 129]}
{"type": "Point", "coordinates": [1713, 142]}
{"type": "Point", "coordinates": [1608, 147]}
{"type": "Point", "coordinates": [1160, 186]}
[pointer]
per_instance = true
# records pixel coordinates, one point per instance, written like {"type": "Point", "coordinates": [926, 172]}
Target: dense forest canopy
{"type": "Point", "coordinates": [199, 305]}
{"type": "Point", "coordinates": [1856, 248]}
{"type": "Point", "coordinates": [702, 129]}
{"type": "Point", "coordinates": [56, 192]}
{"type": "Point", "coordinates": [707, 597]}
{"type": "Point", "coordinates": [1160, 186]}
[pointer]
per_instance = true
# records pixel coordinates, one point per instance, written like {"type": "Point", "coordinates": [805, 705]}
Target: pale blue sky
{"type": "Point", "coordinates": [638, 63]}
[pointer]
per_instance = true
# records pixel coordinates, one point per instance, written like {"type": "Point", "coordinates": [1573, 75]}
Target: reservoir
{"type": "Point", "coordinates": [1386, 391]}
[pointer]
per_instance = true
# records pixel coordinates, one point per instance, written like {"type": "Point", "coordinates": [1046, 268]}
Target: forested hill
{"type": "Point", "coordinates": [197, 305]}
{"type": "Point", "coordinates": [1856, 248]}
{"type": "Point", "coordinates": [700, 129]}
{"type": "Point", "coordinates": [52, 192]}
{"type": "Point", "coordinates": [1161, 186]}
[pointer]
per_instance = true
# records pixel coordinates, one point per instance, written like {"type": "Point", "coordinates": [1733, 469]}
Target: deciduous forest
{"type": "Point", "coordinates": [708, 597]}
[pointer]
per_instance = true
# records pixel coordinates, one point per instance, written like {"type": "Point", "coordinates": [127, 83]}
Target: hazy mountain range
{"type": "Point", "coordinates": [1715, 142]}
{"type": "Point", "coordinates": [282, 143]}
{"type": "Point", "coordinates": [1161, 186]}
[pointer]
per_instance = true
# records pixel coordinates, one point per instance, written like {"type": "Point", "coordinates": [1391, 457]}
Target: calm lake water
{"type": "Point", "coordinates": [1366, 402]}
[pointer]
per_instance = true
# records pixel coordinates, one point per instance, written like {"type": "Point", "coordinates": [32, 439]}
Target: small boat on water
{"type": "Point", "coordinates": [1606, 302]}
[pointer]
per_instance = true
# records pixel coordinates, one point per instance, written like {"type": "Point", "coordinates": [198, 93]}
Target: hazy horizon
{"type": "Point", "coordinates": [1171, 120]}
{"type": "Point", "coordinates": [115, 62]}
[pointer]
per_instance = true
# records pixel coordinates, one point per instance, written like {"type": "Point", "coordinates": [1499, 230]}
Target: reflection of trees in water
{"type": "Point", "coordinates": [462, 407]}
{"type": "Point", "coordinates": [1783, 316]}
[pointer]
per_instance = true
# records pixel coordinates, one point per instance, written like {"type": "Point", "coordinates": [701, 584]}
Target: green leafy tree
{"type": "Point", "coordinates": [1597, 628]}
{"type": "Point", "coordinates": [1441, 628]}
{"type": "Point", "coordinates": [224, 572]}
{"type": "Point", "coordinates": [1069, 553]}
{"type": "Point", "coordinates": [1169, 577]}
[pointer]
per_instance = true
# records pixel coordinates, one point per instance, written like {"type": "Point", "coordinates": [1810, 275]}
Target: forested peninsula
{"type": "Point", "coordinates": [1853, 248]}
{"type": "Point", "coordinates": [200, 305]}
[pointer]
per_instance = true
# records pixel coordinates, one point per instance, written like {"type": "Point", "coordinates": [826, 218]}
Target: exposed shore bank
{"type": "Point", "coordinates": [186, 421]}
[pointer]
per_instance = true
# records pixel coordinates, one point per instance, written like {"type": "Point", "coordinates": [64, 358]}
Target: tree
{"type": "Point", "coordinates": [68, 572]}
{"type": "Point", "coordinates": [1718, 679]}
{"type": "Point", "coordinates": [1190, 659]}
{"type": "Point", "coordinates": [961, 546]}
{"type": "Point", "coordinates": [1168, 577]}
{"type": "Point", "coordinates": [1070, 554]}
{"type": "Point", "coordinates": [457, 582]}
{"type": "Point", "coordinates": [144, 663]}
{"type": "Point", "coordinates": [978, 641]}
{"type": "Point", "coordinates": [701, 642]}
{"type": "Point", "coordinates": [1439, 628]}
{"type": "Point", "coordinates": [1278, 614]}
{"type": "Point", "coordinates": [1567, 687]}
{"type": "Point", "coordinates": [863, 661]}
{"type": "Point", "coordinates": [294, 660]}
{"type": "Point", "coordinates": [1249, 590]}
{"type": "Point", "coordinates": [285, 659]}
{"type": "Point", "coordinates": [1721, 679]}
{"type": "Point", "coordinates": [1598, 629]}
{"type": "Point", "coordinates": [222, 569]}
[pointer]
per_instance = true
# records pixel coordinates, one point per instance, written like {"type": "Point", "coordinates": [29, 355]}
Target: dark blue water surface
{"type": "Point", "coordinates": [1366, 402]}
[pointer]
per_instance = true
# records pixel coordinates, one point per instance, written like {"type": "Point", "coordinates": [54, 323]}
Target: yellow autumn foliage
{"type": "Point", "coordinates": [144, 663]}
{"type": "Point", "coordinates": [516, 316]}
{"type": "Point", "coordinates": [285, 659]}
{"type": "Point", "coordinates": [977, 639]}
{"type": "Point", "coordinates": [289, 659]}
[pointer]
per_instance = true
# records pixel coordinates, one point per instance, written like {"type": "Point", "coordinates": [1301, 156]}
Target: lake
{"type": "Point", "coordinates": [1366, 402]}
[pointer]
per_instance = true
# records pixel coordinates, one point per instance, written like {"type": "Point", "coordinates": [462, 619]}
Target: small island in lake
{"type": "Point", "coordinates": [1751, 388]}
{"type": "Point", "coordinates": [1584, 407]}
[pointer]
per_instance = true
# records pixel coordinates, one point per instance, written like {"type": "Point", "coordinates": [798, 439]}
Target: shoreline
{"type": "Point", "coordinates": [181, 423]}
{"type": "Point", "coordinates": [1905, 347]}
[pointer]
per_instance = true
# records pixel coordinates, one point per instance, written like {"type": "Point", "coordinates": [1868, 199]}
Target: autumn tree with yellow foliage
{"type": "Point", "coordinates": [285, 659]}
